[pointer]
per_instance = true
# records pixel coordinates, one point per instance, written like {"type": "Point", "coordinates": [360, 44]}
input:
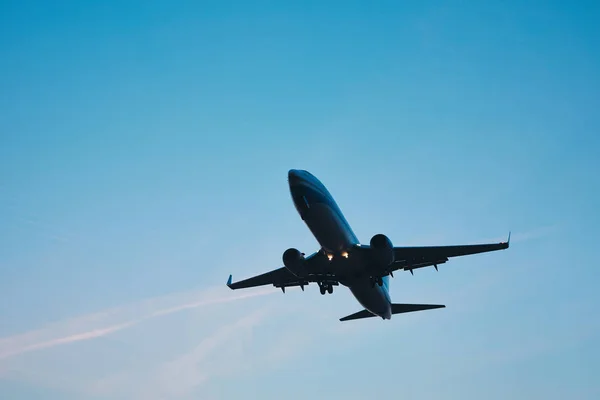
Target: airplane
{"type": "Point", "coordinates": [342, 259]}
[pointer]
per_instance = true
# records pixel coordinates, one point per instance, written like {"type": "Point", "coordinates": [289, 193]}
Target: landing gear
{"type": "Point", "coordinates": [326, 288]}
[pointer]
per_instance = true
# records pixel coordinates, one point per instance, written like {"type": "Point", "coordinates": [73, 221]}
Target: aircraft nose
{"type": "Point", "coordinates": [294, 176]}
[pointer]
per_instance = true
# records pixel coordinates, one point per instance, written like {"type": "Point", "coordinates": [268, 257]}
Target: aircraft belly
{"type": "Point", "coordinates": [327, 228]}
{"type": "Point", "coordinates": [371, 298]}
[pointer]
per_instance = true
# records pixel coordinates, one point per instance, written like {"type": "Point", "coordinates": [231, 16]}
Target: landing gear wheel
{"type": "Point", "coordinates": [322, 289]}
{"type": "Point", "coordinates": [329, 289]}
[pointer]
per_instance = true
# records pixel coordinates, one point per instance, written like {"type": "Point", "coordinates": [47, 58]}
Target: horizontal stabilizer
{"type": "Point", "coordinates": [396, 309]}
{"type": "Point", "coordinates": [402, 308]}
{"type": "Point", "coordinates": [358, 315]}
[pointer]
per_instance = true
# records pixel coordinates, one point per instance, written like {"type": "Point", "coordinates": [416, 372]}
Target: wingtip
{"type": "Point", "coordinates": [229, 281]}
{"type": "Point", "coordinates": [506, 245]}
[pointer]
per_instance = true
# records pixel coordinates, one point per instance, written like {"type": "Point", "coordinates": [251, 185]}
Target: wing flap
{"type": "Point", "coordinates": [282, 277]}
{"type": "Point", "coordinates": [441, 252]}
{"type": "Point", "coordinates": [409, 258]}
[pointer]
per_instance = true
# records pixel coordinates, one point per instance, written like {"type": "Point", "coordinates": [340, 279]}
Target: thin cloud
{"type": "Point", "coordinates": [179, 376]}
{"type": "Point", "coordinates": [215, 355]}
{"type": "Point", "coordinates": [110, 321]}
{"type": "Point", "coordinates": [96, 333]}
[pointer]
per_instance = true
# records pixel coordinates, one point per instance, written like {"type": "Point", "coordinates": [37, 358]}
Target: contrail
{"type": "Point", "coordinates": [30, 341]}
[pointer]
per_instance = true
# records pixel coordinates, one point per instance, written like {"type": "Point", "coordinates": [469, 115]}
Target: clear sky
{"type": "Point", "coordinates": [144, 150]}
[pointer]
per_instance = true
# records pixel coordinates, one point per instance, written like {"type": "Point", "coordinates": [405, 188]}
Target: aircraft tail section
{"type": "Point", "coordinates": [403, 308]}
{"type": "Point", "coordinates": [358, 315]}
{"type": "Point", "coordinates": [396, 309]}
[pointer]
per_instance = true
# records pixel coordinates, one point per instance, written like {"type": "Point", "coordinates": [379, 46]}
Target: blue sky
{"type": "Point", "coordinates": [144, 150]}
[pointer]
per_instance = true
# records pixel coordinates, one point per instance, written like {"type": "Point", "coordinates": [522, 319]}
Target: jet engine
{"type": "Point", "coordinates": [382, 250]}
{"type": "Point", "coordinates": [293, 260]}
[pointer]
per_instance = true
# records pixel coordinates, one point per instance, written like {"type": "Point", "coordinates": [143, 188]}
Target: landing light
{"type": "Point", "coordinates": [345, 254]}
{"type": "Point", "coordinates": [330, 257]}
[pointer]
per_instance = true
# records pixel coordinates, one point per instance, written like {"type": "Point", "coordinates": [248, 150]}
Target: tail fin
{"type": "Point", "coordinates": [396, 309]}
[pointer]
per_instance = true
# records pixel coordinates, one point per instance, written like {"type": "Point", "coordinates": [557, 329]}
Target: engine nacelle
{"type": "Point", "coordinates": [382, 250]}
{"type": "Point", "coordinates": [293, 260]}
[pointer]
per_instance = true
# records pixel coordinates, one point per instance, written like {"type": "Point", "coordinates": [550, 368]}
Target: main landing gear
{"type": "Point", "coordinates": [326, 288]}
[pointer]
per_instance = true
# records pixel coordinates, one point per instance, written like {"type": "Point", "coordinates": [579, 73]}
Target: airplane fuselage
{"type": "Point", "coordinates": [343, 260]}
{"type": "Point", "coordinates": [332, 231]}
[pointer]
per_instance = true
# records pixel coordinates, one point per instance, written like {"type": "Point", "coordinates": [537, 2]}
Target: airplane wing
{"type": "Point", "coordinates": [282, 277]}
{"type": "Point", "coordinates": [409, 258]}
